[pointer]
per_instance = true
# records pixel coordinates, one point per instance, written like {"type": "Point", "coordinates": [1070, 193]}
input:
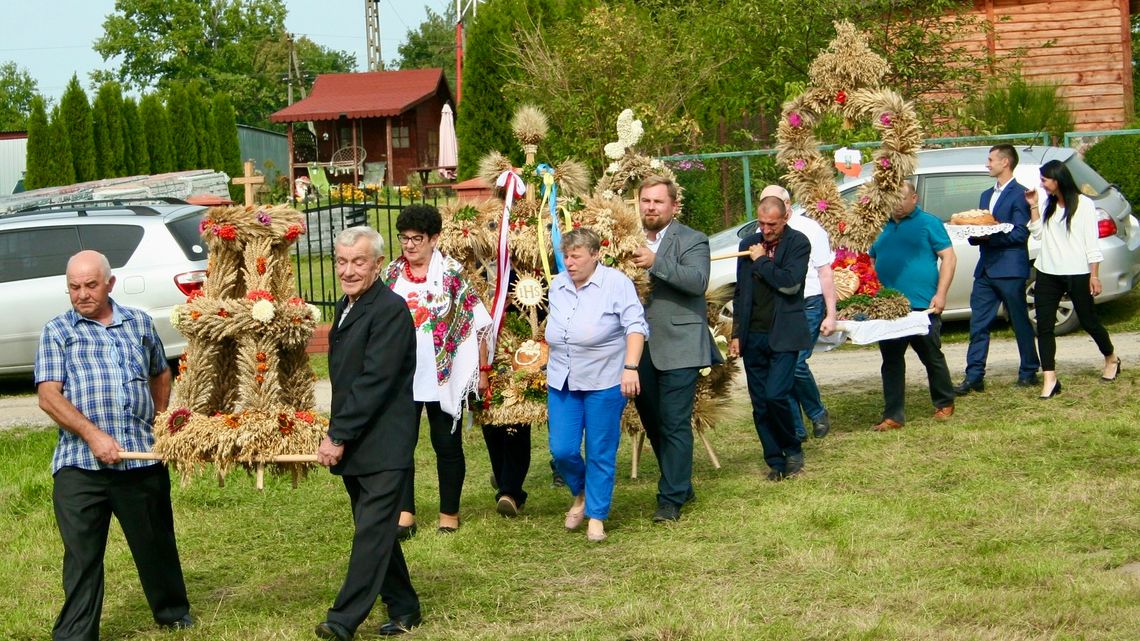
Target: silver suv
{"type": "Point", "coordinates": [153, 245]}
{"type": "Point", "coordinates": [951, 180]}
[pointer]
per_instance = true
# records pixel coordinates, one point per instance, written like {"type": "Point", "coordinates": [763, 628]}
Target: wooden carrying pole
{"type": "Point", "coordinates": [258, 465]}
{"type": "Point", "coordinates": [729, 255]}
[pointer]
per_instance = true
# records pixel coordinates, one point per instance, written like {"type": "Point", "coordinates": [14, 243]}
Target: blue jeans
{"type": "Point", "coordinates": [805, 392]}
{"type": "Point", "coordinates": [597, 415]}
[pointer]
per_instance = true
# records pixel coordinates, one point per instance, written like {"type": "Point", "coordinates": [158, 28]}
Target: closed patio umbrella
{"type": "Point", "coordinates": [448, 145]}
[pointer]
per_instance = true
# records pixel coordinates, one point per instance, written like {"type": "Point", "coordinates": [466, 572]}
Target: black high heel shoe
{"type": "Point", "coordinates": [1053, 392]}
{"type": "Point", "coordinates": [1109, 379]}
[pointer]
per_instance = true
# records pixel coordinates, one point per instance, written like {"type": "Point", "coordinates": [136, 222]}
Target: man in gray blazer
{"type": "Point", "coordinates": [679, 342]}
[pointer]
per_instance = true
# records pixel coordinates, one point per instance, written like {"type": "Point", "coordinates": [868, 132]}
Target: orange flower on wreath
{"type": "Point", "coordinates": [232, 421]}
{"type": "Point", "coordinates": [261, 262]}
{"type": "Point", "coordinates": [261, 357]}
{"type": "Point", "coordinates": [259, 294]}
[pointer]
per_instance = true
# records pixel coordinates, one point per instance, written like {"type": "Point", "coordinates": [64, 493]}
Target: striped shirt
{"type": "Point", "coordinates": [105, 371]}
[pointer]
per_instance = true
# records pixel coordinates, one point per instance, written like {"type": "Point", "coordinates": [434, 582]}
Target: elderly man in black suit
{"type": "Point", "coordinates": [372, 434]}
{"type": "Point", "coordinates": [679, 344]}
{"type": "Point", "coordinates": [770, 328]}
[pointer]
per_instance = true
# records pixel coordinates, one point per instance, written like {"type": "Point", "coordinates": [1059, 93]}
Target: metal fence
{"type": "Point", "coordinates": [326, 217]}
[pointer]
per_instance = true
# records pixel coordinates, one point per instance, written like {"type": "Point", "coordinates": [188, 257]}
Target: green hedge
{"type": "Point", "coordinates": [1117, 158]}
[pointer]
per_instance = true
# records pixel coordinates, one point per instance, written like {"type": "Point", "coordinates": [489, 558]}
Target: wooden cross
{"type": "Point", "coordinates": [250, 181]}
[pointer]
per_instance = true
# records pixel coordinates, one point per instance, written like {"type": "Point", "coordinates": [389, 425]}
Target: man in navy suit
{"type": "Point", "coordinates": [1000, 276]}
{"type": "Point", "coordinates": [770, 328]}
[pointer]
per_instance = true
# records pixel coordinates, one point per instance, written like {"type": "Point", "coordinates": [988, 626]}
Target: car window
{"type": "Point", "coordinates": [747, 229]}
{"type": "Point", "coordinates": [36, 252]}
{"type": "Point", "coordinates": [116, 242]}
{"type": "Point", "coordinates": [946, 194]}
{"type": "Point", "coordinates": [185, 231]}
{"type": "Point", "coordinates": [1088, 181]}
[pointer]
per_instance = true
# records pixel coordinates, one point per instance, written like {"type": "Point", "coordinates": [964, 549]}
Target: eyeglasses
{"type": "Point", "coordinates": [410, 241]}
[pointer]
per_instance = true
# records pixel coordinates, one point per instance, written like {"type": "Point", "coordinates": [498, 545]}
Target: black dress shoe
{"type": "Point", "coordinates": [1028, 381]}
{"type": "Point", "coordinates": [1053, 392]}
{"type": "Point", "coordinates": [666, 512]}
{"type": "Point", "coordinates": [405, 532]}
{"type": "Point", "coordinates": [820, 427]}
{"type": "Point", "coordinates": [184, 622]}
{"type": "Point", "coordinates": [335, 631]}
{"type": "Point", "coordinates": [1109, 379]}
{"type": "Point", "coordinates": [793, 464]}
{"type": "Point", "coordinates": [967, 386]}
{"type": "Point", "coordinates": [775, 475]}
{"type": "Point", "coordinates": [401, 624]}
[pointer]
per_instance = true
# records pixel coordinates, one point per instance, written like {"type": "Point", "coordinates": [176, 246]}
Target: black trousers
{"type": "Point", "coordinates": [376, 565]}
{"type": "Point", "coordinates": [1050, 288]}
{"type": "Point", "coordinates": [508, 446]}
{"type": "Point", "coordinates": [771, 375]}
{"type": "Point", "coordinates": [665, 406]}
{"type": "Point", "coordinates": [929, 350]}
{"type": "Point", "coordinates": [84, 501]}
{"type": "Point", "coordinates": [450, 465]}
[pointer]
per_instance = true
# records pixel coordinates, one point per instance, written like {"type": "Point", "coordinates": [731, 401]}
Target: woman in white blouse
{"type": "Point", "coordinates": [1068, 263]}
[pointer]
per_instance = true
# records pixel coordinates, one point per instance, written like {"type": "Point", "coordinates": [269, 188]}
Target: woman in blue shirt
{"type": "Point", "coordinates": [596, 330]}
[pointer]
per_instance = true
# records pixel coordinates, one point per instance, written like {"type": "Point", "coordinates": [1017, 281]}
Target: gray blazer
{"type": "Point", "coordinates": [676, 311]}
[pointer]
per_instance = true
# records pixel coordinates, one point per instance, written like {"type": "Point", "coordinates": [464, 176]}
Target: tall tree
{"type": "Point", "coordinates": [138, 155]}
{"type": "Point", "coordinates": [17, 89]}
{"type": "Point", "coordinates": [236, 46]}
{"type": "Point", "coordinates": [182, 132]}
{"type": "Point", "coordinates": [226, 136]}
{"type": "Point", "coordinates": [156, 129]}
{"type": "Point", "coordinates": [38, 172]}
{"type": "Point", "coordinates": [61, 170]}
{"type": "Point", "coordinates": [107, 120]}
{"type": "Point", "coordinates": [76, 114]}
{"type": "Point", "coordinates": [431, 44]}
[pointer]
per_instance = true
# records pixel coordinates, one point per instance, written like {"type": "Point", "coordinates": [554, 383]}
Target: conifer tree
{"type": "Point", "coordinates": [182, 133]}
{"type": "Point", "coordinates": [38, 172]}
{"type": "Point", "coordinates": [76, 113]}
{"type": "Point", "coordinates": [110, 131]}
{"type": "Point", "coordinates": [138, 156]}
{"type": "Point", "coordinates": [156, 130]}
{"type": "Point", "coordinates": [61, 169]}
{"type": "Point", "coordinates": [226, 136]}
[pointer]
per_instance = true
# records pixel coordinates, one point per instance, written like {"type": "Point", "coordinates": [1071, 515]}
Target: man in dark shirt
{"type": "Point", "coordinates": [770, 328]}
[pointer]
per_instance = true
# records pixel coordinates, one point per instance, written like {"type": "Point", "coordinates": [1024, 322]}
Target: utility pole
{"type": "Point", "coordinates": [372, 34]}
{"type": "Point", "coordinates": [462, 8]}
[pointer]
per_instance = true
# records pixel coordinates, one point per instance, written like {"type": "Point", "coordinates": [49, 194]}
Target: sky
{"type": "Point", "coordinates": [54, 39]}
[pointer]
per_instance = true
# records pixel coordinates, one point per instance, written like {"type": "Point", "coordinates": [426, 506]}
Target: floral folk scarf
{"type": "Point", "coordinates": [452, 311]}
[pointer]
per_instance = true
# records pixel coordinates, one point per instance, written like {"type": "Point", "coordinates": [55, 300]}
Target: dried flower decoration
{"type": "Point", "coordinates": [529, 125]}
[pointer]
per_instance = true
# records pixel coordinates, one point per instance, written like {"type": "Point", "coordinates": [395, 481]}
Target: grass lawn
{"type": "Point", "coordinates": [1016, 520]}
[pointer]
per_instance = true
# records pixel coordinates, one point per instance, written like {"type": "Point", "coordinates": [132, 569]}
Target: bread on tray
{"type": "Point", "coordinates": [973, 217]}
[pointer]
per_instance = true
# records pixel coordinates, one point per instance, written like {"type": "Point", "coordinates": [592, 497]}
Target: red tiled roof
{"type": "Point", "coordinates": [373, 94]}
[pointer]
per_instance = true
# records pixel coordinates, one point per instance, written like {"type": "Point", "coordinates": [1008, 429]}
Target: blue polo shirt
{"type": "Point", "coordinates": [906, 255]}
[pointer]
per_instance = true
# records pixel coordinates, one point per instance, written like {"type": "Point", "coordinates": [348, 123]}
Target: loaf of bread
{"type": "Point", "coordinates": [973, 217]}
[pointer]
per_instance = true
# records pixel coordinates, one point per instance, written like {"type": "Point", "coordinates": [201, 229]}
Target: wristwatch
{"type": "Point", "coordinates": [632, 368]}
{"type": "Point", "coordinates": [336, 442]}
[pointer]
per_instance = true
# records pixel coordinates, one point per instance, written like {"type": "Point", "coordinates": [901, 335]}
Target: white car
{"type": "Point", "coordinates": [951, 181]}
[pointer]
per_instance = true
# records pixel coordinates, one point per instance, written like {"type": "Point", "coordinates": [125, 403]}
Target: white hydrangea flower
{"type": "Point", "coordinates": [608, 193]}
{"type": "Point", "coordinates": [314, 312]}
{"type": "Point", "coordinates": [175, 316]}
{"type": "Point", "coordinates": [635, 133]}
{"type": "Point", "coordinates": [262, 311]}
{"type": "Point", "coordinates": [614, 166]}
{"type": "Point", "coordinates": [655, 163]}
{"type": "Point", "coordinates": [624, 124]}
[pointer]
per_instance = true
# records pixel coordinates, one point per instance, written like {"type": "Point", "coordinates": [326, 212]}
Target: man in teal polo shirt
{"type": "Point", "coordinates": [906, 256]}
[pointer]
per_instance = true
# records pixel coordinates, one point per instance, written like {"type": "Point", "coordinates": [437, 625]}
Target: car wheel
{"type": "Point", "coordinates": [1067, 320]}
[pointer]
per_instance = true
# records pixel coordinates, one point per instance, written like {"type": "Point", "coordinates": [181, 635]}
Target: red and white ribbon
{"type": "Point", "coordinates": [515, 188]}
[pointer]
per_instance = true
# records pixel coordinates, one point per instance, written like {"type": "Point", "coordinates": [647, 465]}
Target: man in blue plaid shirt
{"type": "Point", "coordinates": [101, 375]}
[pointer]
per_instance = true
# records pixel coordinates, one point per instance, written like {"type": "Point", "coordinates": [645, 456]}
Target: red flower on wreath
{"type": "Point", "coordinates": [261, 264]}
{"type": "Point", "coordinates": [842, 226]}
{"type": "Point", "coordinates": [293, 232]}
{"type": "Point", "coordinates": [178, 420]}
{"type": "Point", "coordinates": [206, 222]}
{"type": "Point", "coordinates": [227, 232]}
{"type": "Point", "coordinates": [841, 97]}
{"type": "Point", "coordinates": [284, 424]}
{"type": "Point", "coordinates": [259, 294]}
{"type": "Point", "coordinates": [197, 293]}
{"type": "Point", "coordinates": [223, 313]}
{"type": "Point", "coordinates": [307, 417]}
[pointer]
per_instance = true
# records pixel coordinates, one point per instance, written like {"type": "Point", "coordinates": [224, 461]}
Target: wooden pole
{"type": "Point", "coordinates": [280, 458]}
{"type": "Point", "coordinates": [638, 442]}
{"type": "Point", "coordinates": [259, 475]}
{"type": "Point", "coordinates": [709, 448]}
{"type": "Point", "coordinates": [730, 255]}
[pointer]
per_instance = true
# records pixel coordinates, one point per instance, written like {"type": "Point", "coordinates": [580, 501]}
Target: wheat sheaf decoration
{"type": "Point", "coordinates": [846, 80]}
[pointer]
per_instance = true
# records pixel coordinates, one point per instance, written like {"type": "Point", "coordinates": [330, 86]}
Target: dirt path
{"type": "Point", "coordinates": [849, 367]}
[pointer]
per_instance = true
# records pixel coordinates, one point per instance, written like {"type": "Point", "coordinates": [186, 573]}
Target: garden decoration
{"type": "Point", "coordinates": [846, 80]}
{"type": "Point", "coordinates": [523, 229]}
{"type": "Point", "coordinates": [245, 392]}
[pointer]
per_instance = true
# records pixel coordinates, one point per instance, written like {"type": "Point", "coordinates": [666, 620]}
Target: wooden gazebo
{"type": "Point", "coordinates": [366, 125]}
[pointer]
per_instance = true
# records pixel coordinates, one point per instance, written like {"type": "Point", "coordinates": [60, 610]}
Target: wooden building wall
{"type": "Point", "coordinates": [1090, 58]}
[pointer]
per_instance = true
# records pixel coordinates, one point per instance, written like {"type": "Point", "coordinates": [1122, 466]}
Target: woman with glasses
{"type": "Point", "coordinates": [451, 351]}
{"type": "Point", "coordinates": [1068, 263]}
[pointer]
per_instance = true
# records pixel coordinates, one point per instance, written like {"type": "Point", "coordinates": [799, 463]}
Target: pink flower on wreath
{"type": "Point", "coordinates": [864, 200]}
{"type": "Point", "coordinates": [821, 205]}
{"type": "Point", "coordinates": [799, 164]}
{"type": "Point", "coordinates": [885, 119]}
{"type": "Point", "coordinates": [885, 162]}
{"type": "Point", "coordinates": [795, 120]}
{"type": "Point", "coordinates": [263, 217]}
